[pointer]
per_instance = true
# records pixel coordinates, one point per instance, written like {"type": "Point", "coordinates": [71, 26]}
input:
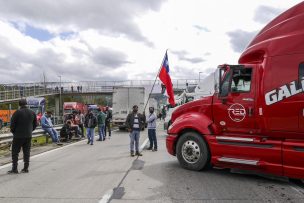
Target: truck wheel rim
{"type": "Point", "coordinates": [191, 151]}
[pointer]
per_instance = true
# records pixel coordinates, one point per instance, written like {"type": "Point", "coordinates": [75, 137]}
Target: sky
{"type": "Point", "coordinates": [97, 40]}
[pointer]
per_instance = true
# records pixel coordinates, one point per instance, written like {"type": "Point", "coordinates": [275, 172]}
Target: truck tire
{"type": "Point", "coordinates": [192, 152]}
{"type": "Point", "coordinates": [1, 124]}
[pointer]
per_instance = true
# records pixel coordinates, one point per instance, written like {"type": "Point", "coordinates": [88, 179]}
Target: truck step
{"type": "Point", "coordinates": [239, 161]}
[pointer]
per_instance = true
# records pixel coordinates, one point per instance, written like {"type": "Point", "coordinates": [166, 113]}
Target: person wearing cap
{"type": "Point", "coordinates": [134, 123]}
{"type": "Point", "coordinates": [47, 125]}
{"type": "Point", "coordinates": [23, 123]}
{"type": "Point", "coordinates": [152, 129]}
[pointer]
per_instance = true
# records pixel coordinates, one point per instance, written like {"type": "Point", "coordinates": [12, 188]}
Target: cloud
{"type": "Point", "coordinates": [265, 14]}
{"type": "Point", "coordinates": [109, 58]}
{"type": "Point", "coordinates": [71, 62]}
{"type": "Point", "coordinates": [201, 28]}
{"type": "Point", "coordinates": [184, 73]}
{"type": "Point", "coordinates": [239, 39]}
{"type": "Point", "coordinates": [182, 55]}
{"type": "Point", "coordinates": [115, 17]}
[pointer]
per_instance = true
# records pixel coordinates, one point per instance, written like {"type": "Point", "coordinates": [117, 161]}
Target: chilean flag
{"type": "Point", "coordinates": [166, 80]}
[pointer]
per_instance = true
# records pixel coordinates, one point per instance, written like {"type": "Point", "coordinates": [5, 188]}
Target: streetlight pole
{"type": "Point", "coordinates": [60, 110]}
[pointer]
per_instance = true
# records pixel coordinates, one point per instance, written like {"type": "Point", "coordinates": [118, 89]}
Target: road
{"type": "Point", "coordinates": [105, 172]}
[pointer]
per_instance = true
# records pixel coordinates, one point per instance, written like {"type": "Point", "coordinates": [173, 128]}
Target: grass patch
{"type": "Point", "coordinates": [41, 140]}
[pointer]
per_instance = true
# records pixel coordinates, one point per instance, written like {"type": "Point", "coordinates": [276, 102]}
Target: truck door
{"type": "Point", "coordinates": [235, 113]}
{"type": "Point", "coordinates": [239, 141]}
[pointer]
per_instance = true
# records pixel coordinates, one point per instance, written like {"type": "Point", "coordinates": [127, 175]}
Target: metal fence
{"type": "Point", "coordinates": [20, 90]}
{"type": "Point", "coordinates": [8, 137]}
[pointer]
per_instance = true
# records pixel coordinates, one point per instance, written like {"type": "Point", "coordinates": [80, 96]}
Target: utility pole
{"type": "Point", "coordinates": [44, 82]}
{"type": "Point", "coordinates": [60, 106]}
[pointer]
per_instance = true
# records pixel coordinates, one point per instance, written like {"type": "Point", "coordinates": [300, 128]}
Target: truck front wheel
{"type": "Point", "coordinates": [192, 151]}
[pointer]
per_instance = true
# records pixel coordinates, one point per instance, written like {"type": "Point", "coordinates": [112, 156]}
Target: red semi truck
{"type": "Point", "coordinates": [255, 119]}
{"type": "Point", "coordinates": [70, 107]}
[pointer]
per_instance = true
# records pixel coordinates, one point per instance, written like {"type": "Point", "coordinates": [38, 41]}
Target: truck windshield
{"type": "Point", "coordinates": [68, 111]}
{"type": "Point", "coordinates": [35, 109]}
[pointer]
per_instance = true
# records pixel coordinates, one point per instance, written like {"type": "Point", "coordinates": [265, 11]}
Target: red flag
{"type": "Point", "coordinates": [164, 76]}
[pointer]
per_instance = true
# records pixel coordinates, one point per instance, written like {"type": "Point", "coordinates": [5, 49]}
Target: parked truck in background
{"type": "Point", "coordinates": [255, 118]}
{"type": "Point", "coordinates": [94, 108]}
{"type": "Point", "coordinates": [37, 104]}
{"type": "Point", "coordinates": [70, 107]}
{"type": "Point", "coordinates": [124, 98]}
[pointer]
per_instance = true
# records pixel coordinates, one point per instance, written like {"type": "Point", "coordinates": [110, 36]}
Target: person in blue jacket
{"type": "Point", "coordinates": [47, 125]}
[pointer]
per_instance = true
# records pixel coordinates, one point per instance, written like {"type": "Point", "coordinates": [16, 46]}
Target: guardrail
{"type": "Point", "coordinates": [8, 137]}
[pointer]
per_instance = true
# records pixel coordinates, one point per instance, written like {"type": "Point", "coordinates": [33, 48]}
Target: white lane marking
{"type": "Point", "coordinates": [297, 190]}
{"type": "Point", "coordinates": [47, 152]}
{"type": "Point", "coordinates": [106, 197]}
{"type": "Point", "coordinates": [109, 194]}
{"type": "Point", "coordinates": [143, 144]}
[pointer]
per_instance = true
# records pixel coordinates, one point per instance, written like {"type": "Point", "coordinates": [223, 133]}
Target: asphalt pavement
{"type": "Point", "coordinates": [105, 172]}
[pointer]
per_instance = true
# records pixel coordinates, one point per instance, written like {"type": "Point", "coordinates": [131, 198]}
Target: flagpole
{"type": "Point", "coordinates": [155, 80]}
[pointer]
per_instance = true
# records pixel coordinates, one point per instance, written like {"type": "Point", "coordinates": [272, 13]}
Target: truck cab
{"type": "Point", "coordinates": [37, 104]}
{"type": "Point", "coordinates": [255, 118]}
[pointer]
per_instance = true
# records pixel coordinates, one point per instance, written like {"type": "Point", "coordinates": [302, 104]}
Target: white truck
{"type": "Point", "coordinates": [124, 98]}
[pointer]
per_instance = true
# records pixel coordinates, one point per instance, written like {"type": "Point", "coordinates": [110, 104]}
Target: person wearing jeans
{"type": "Point", "coordinates": [101, 118]}
{"type": "Point", "coordinates": [90, 124]}
{"type": "Point", "coordinates": [46, 124]}
{"type": "Point", "coordinates": [134, 123]}
{"type": "Point", "coordinates": [152, 129]}
{"type": "Point", "coordinates": [134, 140]}
{"type": "Point", "coordinates": [90, 135]}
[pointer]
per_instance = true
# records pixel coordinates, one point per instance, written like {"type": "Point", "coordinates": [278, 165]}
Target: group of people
{"type": "Point", "coordinates": [24, 122]}
{"type": "Point", "coordinates": [79, 89]}
{"type": "Point", "coordinates": [73, 126]}
{"type": "Point", "coordinates": [102, 121]}
{"type": "Point", "coordinates": [134, 123]}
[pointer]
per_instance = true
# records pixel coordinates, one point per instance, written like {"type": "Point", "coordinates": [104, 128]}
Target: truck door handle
{"type": "Point", "coordinates": [250, 111]}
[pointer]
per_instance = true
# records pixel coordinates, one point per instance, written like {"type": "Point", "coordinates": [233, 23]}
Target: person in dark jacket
{"type": "Point", "coordinates": [23, 123]}
{"type": "Point", "coordinates": [90, 122]}
{"type": "Point", "coordinates": [66, 131]}
{"type": "Point", "coordinates": [108, 122]}
{"type": "Point", "coordinates": [134, 123]}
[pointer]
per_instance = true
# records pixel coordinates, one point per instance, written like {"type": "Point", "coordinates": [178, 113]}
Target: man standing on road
{"type": "Point", "coordinates": [47, 125]}
{"type": "Point", "coordinates": [134, 123]}
{"type": "Point", "coordinates": [101, 118]}
{"type": "Point", "coordinates": [90, 123]}
{"type": "Point", "coordinates": [108, 122]}
{"type": "Point", "coordinates": [152, 129]}
{"type": "Point", "coordinates": [23, 123]}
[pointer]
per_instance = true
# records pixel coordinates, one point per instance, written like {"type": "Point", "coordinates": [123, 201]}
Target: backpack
{"type": "Point", "coordinates": [92, 122]}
